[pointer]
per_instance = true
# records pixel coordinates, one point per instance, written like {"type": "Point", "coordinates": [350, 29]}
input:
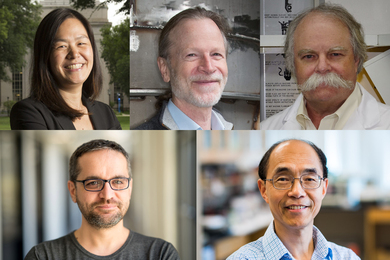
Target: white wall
{"type": "Point", "coordinates": [374, 15]}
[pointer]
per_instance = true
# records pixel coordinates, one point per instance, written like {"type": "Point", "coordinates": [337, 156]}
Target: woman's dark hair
{"type": "Point", "coordinates": [43, 85]}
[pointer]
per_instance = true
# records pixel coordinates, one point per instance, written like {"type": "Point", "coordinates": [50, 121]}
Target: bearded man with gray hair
{"type": "Point", "coordinates": [192, 58]}
{"type": "Point", "coordinates": [325, 51]}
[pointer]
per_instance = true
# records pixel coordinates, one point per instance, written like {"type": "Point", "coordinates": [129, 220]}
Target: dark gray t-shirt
{"type": "Point", "coordinates": [137, 246]}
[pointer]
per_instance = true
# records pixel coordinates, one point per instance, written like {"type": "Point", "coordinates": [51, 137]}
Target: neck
{"type": "Point", "coordinates": [324, 104]}
{"type": "Point", "coordinates": [73, 98]}
{"type": "Point", "coordinates": [318, 110]}
{"type": "Point", "coordinates": [102, 242]}
{"type": "Point", "coordinates": [200, 115]}
{"type": "Point", "coordinates": [299, 242]}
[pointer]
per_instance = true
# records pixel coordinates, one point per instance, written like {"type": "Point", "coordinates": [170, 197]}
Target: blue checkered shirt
{"type": "Point", "coordinates": [270, 247]}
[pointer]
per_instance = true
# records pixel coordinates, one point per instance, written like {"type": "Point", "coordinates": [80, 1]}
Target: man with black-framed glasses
{"type": "Point", "coordinates": [101, 184]}
{"type": "Point", "coordinates": [293, 179]}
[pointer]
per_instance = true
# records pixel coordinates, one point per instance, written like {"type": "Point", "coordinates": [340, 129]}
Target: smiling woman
{"type": "Point", "coordinates": [66, 78]}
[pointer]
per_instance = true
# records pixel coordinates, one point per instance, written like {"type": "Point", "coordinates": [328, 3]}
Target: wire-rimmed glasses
{"type": "Point", "coordinates": [120, 183]}
{"type": "Point", "coordinates": [308, 181]}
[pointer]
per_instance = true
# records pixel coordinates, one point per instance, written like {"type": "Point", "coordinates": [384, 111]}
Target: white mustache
{"type": "Point", "coordinates": [330, 79]}
{"type": "Point", "coordinates": [213, 77]}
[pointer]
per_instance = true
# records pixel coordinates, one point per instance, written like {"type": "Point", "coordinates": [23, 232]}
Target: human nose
{"type": "Point", "coordinates": [207, 64]}
{"type": "Point", "coordinates": [323, 65]}
{"type": "Point", "coordinates": [73, 53]}
{"type": "Point", "coordinates": [106, 192]}
{"type": "Point", "coordinates": [296, 189]}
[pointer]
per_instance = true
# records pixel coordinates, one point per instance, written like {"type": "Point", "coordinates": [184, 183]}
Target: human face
{"type": "Point", "coordinates": [197, 67]}
{"type": "Point", "coordinates": [322, 44]}
{"type": "Point", "coordinates": [106, 208]}
{"type": "Point", "coordinates": [293, 158]}
{"type": "Point", "coordinates": [71, 59]}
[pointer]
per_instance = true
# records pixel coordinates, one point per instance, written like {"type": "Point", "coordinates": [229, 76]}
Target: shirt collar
{"type": "Point", "coordinates": [335, 121]}
{"type": "Point", "coordinates": [186, 123]}
{"type": "Point", "coordinates": [280, 252]}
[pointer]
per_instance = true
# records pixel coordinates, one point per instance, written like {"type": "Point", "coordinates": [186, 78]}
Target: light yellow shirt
{"type": "Point", "coordinates": [335, 121]}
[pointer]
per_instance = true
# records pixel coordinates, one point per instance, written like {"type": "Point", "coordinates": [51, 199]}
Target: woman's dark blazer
{"type": "Point", "coordinates": [29, 114]}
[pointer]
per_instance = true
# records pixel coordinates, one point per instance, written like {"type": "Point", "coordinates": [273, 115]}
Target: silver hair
{"type": "Point", "coordinates": [338, 12]}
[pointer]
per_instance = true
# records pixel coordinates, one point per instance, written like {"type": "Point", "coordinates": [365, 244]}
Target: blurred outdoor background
{"type": "Point", "coordinates": [110, 24]}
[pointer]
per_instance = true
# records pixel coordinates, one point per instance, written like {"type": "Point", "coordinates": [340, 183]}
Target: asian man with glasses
{"type": "Point", "coordinates": [293, 181]}
{"type": "Point", "coordinates": [101, 184]}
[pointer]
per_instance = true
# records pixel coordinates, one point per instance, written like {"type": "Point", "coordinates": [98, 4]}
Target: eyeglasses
{"type": "Point", "coordinates": [98, 184]}
{"type": "Point", "coordinates": [285, 182]}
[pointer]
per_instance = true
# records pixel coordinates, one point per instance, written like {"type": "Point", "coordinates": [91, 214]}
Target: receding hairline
{"type": "Point", "coordinates": [287, 142]}
{"type": "Point", "coordinates": [195, 18]}
{"type": "Point", "coordinates": [330, 16]}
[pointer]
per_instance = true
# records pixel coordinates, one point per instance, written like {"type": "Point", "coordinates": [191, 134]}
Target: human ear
{"type": "Point", "coordinates": [324, 187]}
{"type": "Point", "coordinates": [72, 190]}
{"type": "Point", "coordinates": [164, 69]}
{"type": "Point", "coordinates": [262, 189]}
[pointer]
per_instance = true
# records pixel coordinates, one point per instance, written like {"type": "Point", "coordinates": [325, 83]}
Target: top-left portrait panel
{"type": "Point", "coordinates": [65, 65]}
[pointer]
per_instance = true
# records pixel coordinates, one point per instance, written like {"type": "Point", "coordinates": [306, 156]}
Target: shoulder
{"type": "Point", "coordinates": [29, 114]}
{"type": "Point", "coordinates": [53, 249]}
{"type": "Point", "coordinates": [29, 103]}
{"type": "Point", "coordinates": [103, 116]}
{"type": "Point", "coordinates": [287, 116]}
{"type": "Point", "coordinates": [226, 124]}
{"type": "Point", "coordinates": [97, 106]}
{"type": "Point", "coordinates": [340, 252]}
{"type": "Point", "coordinates": [275, 122]}
{"type": "Point", "coordinates": [153, 123]}
{"type": "Point", "coordinates": [251, 251]}
{"type": "Point", "coordinates": [155, 248]}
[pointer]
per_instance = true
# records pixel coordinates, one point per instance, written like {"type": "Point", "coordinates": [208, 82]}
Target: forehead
{"type": "Point", "coordinates": [194, 32]}
{"type": "Point", "coordinates": [71, 26]}
{"type": "Point", "coordinates": [321, 28]}
{"type": "Point", "coordinates": [294, 155]}
{"type": "Point", "coordinates": [103, 163]}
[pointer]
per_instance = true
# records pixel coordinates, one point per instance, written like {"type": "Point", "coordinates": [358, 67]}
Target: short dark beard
{"type": "Point", "coordinates": [96, 220]}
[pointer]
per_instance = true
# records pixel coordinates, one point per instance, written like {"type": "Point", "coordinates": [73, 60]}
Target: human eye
{"type": "Point", "coordinates": [308, 57]}
{"type": "Point", "coordinates": [60, 46]}
{"type": "Point", "coordinates": [91, 183]}
{"type": "Point", "coordinates": [282, 179]}
{"type": "Point", "coordinates": [336, 54]}
{"type": "Point", "coordinates": [310, 178]}
{"type": "Point", "coordinates": [117, 181]}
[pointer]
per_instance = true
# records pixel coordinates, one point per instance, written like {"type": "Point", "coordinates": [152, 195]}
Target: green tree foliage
{"type": "Point", "coordinates": [115, 52]}
{"type": "Point", "coordinates": [8, 105]}
{"type": "Point", "coordinates": [84, 4]}
{"type": "Point", "coordinates": [18, 22]}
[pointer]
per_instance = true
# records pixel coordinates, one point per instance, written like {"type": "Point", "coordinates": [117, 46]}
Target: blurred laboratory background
{"type": "Point", "coordinates": [355, 212]}
{"type": "Point", "coordinates": [35, 205]}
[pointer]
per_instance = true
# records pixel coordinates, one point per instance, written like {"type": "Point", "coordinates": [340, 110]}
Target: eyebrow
{"type": "Point", "coordinates": [77, 38]}
{"type": "Point", "coordinates": [307, 51]}
{"type": "Point", "coordinates": [286, 169]}
{"type": "Point", "coordinates": [97, 177]}
{"type": "Point", "coordinates": [337, 48]}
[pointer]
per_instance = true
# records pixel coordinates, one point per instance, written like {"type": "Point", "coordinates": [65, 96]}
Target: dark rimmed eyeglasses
{"type": "Point", "coordinates": [308, 181]}
{"type": "Point", "coordinates": [121, 183]}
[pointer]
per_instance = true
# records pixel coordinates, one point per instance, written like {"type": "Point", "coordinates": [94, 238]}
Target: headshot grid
{"type": "Point", "coordinates": [257, 72]}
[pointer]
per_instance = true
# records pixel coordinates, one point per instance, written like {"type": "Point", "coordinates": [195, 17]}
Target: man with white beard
{"type": "Point", "coordinates": [192, 57]}
{"type": "Point", "coordinates": [325, 51]}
